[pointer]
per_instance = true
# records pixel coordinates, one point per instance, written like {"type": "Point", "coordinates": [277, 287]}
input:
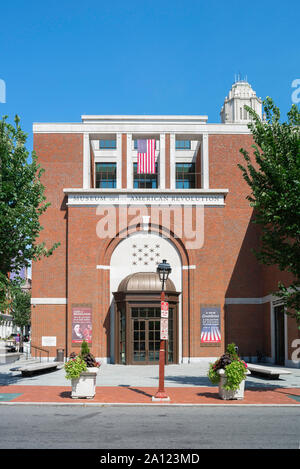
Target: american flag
{"type": "Point", "coordinates": [210, 334]}
{"type": "Point", "coordinates": [146, 156]}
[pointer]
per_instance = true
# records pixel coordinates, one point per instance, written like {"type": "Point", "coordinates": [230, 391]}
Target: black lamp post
{"type": "Point", "coordinates": [163, 270]}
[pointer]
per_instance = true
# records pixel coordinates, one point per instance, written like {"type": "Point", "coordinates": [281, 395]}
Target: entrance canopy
{"type": "Point", "coordinates": [147, 282]}
{"type": "Point", "coordinates": [137, 319]}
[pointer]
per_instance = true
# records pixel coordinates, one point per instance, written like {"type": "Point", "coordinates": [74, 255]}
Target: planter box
{"type": "Point", "coordinates": [85, 385]}
{"type": "Point", "coordinates": [228, 395]}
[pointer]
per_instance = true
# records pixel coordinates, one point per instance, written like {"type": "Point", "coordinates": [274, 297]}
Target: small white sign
{"type": "Point", "coordinates": [164, 310]}
{"type": "Point", "coordinates": [49, 341]}
{"type": "Point", "coordinates": [164, 329]}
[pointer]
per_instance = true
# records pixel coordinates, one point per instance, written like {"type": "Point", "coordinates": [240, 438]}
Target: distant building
{"type": "Point", "coordinates": [116, 224]}
{"type": "Point", "coordinates": [6, 321]}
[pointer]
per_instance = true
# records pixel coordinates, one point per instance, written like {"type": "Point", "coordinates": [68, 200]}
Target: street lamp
{"type": "Point", "coordinates": [163, 270]}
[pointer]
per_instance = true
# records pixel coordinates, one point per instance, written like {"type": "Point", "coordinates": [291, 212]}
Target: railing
{"type": "Point", "coordinates": [39, 350]}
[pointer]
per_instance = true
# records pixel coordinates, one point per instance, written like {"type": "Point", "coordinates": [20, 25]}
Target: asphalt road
{"type": "Point", "coordinates": [77, 427]}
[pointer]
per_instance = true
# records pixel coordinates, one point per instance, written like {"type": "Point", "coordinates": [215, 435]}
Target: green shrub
{"type": "Point", "coordinates": [74, 367]}
{"type": "Point", "coordinates": [84, 348]}
{"type": "Point", "coordinates": [235, 373]}
{"type": "Point", "coordinates": [235, 369]}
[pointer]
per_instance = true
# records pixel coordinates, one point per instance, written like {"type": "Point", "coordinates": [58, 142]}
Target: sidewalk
{"type": "Point", "coordinates": [134, 385]}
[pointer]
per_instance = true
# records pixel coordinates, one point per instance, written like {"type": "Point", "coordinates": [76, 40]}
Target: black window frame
{"type": "Point", "coordinates": [187, 178]}
{"type": "Point", "coordinates": [107, 180]}
{"type": "Point", "coordinates": [145, 179]}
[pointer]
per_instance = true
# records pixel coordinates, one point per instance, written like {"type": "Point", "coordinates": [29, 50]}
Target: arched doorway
{"type": "Point", "coordinates": [137, 320]}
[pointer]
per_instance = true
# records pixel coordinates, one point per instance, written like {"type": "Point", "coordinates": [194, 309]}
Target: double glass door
{"type": "Point", "coordinates": [145, 335]}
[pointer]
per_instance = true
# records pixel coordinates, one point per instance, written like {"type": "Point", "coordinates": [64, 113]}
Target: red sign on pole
{"type": "Point", "coordinates": [164, 309]}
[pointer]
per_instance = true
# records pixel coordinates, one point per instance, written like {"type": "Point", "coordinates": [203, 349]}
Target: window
{"type": "Point", "coordinates": [144, 181]}
{"type": "Point", "coordinates": [107, 144]}
{"type": "Point", "coordinates": [106, 175]}
{"type": "Point", "coordinates": [183, 144]}
{"type": "Point", "coordinates": [185, 176]}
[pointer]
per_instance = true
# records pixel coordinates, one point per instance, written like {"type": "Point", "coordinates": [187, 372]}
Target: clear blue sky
{"type": "Point", "coordinates": [62, 59]}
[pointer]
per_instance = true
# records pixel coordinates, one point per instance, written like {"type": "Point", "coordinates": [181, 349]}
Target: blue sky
{"type": "Point", "coordinates": [60, 60]}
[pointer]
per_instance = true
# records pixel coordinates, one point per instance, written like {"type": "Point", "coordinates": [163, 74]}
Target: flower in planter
{"type": "Point", "coordinates": [74, 367]}
{"type": "Point", "coordinates": [79, 363]}
{"type": "Point", "coordinates": [235, 369]}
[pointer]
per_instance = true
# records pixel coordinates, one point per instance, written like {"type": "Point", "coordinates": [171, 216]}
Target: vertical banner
{"type": "Point", "coordinates": [210, 317]}
{"type": "Point", "coordinates": [81, 323]}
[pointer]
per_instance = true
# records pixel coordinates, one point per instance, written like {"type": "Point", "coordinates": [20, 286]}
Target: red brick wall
{"type": "Point", "coordinates": [225, 265]}
{"type": "Point", "coordinates": [61, 157]}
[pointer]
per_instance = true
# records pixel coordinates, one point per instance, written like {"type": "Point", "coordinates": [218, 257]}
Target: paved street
{"type": "Point", "coordinates": [54, 427]}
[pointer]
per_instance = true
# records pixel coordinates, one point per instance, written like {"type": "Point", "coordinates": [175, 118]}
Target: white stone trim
{"type": "Point", "coordinates": [49, 301]}
{"type": "Point", "coordinates": [119, 160]}
{"type": "Point", "coordinates": [162, 162]}
{"type": "Point", "coordinates": [86, 161]}
{"type": "Point", "coordinates": [103, 267]}
{"type": "Point", "coordinates": [129, 162]}
{"type": "Point", "coordinates": [94, 197]}
{"type": "Point", "coordinates": [183, 125]}
{"type": "Point", "coordinates": [172, 168]}
{"type": "Point", "coordinates": [250, 301]}
{"type": "Point", "coordinates": [188, 267]}
{"type": "Point", "coordinates": [204, 162]}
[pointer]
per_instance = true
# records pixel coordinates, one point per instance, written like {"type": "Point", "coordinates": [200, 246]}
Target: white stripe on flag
{"type": "Point", "coordinates": [146, 161]}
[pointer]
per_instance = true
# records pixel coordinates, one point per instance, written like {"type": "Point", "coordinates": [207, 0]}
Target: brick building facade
{"type": "Point", "coordinates": [115, 225]}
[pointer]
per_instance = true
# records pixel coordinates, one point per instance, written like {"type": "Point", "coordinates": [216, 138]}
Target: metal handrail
{"type": "Point", "coordinates": [40, 349]}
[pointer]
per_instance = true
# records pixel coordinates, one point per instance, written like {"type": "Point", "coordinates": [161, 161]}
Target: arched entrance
{"type": "Point", "coordinates": [137, 320]}
{"type": "Point", "coordinates": [141, 252]}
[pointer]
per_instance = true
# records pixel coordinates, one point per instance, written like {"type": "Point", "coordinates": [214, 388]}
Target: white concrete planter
{"type": "Point", "coordinates": [228, 395]}
{"type": "Point", "coordinates": [85, 385]}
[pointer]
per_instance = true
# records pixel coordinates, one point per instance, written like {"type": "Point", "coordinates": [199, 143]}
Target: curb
{"type": "Point", "coordinates": [120, 404]}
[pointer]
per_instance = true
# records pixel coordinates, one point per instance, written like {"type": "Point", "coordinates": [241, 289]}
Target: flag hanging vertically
{"type": "Point", "coordinates": [146, 156]}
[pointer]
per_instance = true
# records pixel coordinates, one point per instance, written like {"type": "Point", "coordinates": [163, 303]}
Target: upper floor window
{"type": "Point", "coordinates": [107, 144]}
{"type": "Point", "coordinates": [185, 176]}
{"type": "Point", "coordinates": [144, 181]}
{"type": "Point", "coordinates": [183, 144]}
{"type": "Point", "coordinates": [106, 175]}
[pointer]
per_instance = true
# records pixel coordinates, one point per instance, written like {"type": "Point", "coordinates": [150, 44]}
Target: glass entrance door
{"type": "Point", "coordinates": [145, 334]}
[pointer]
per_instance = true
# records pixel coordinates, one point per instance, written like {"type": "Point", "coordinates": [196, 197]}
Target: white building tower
{"type": "Point", "coordinates": [241, 94]}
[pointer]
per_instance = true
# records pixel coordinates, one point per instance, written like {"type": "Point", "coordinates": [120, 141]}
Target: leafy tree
{"type": "Point", "coordinates": [22, 202]}
{"type": "Point", "coordinates": [20, 307]}
{"type": "Point", "coordinates": [274, 180]}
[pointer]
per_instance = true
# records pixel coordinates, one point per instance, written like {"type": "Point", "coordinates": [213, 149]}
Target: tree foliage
{"type": "Point", "coordinates": [20, 307]}
{"type": "Point", "coordinates": [22, 202]}
{"type": "Point", "coordinates": [274, 179]}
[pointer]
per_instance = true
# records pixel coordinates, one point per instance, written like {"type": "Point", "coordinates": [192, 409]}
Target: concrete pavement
{"type": "Point", "coordinates": [186, 384]}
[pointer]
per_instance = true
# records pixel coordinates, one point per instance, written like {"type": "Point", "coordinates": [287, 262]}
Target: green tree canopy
{"type": "Point", "coordinates": [22, 202]}
{"type": "Point", "coordinates": [274, 179]}
{"type": "Point", "coordinates": [20, 307]}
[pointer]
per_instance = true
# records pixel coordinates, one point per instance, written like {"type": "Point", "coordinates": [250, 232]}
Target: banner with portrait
{"type": "Point", "coordinates": [81, 323]}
